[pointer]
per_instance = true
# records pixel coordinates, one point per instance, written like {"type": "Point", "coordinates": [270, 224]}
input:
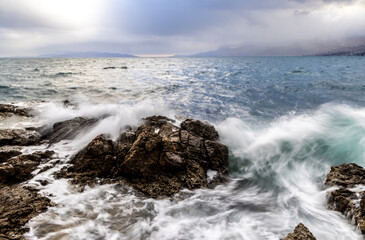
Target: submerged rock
{"type": "Point", "coordinates": [158, 158]}
{"type": "Point", "coordinates": [18, 205]}
{"type": "Point", "coordinates": [301, 232]}
{"type": "Point", "coordinates": [348, 199]}
{"type": "Point", "coordinates": [20, 137]}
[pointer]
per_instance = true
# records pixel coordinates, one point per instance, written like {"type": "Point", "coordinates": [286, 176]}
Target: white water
{"type": "Point", "coordinates": [277, 169]}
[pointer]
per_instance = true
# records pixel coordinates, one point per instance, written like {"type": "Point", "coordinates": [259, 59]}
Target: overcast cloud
{"type": "Point", "coordinates": [172, 26]}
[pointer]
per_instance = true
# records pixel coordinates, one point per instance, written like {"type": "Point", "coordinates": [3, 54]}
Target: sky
{"type": "Point", "coordinates": [168, 27]}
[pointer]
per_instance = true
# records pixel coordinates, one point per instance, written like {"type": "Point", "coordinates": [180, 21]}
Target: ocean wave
{"type": "Point", "coordinates": [277, 170]}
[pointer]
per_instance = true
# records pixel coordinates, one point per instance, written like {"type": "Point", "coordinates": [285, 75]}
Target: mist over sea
{"type": "Point", "coordinates": [285, 120]}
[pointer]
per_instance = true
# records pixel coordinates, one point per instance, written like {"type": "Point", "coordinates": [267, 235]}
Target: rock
{"type": "Point", "coordinates": [301, 232]}
{"type": "Point", "coordinates": [346, 175]}
{"type": "Point", "coordinates": [98, 157]}
{"type": "Point", "coordinates": [7, 152]}
{"type": "Point", "coordinates": [68, 104]}
{"type": "Point", "coordinates": [201, 129]}
{"type": "Point", "coordinates": [20, 137]}
{"type": "Point", "coordinates": [8, 110]}
{"type": "Point", "coordinates": [158, 158]}
{"type": "Point", "coordinates": [20, 168]}
{"type": "Point", "coordinates": [347, 199]}
{"type": "Point", "coordinates": [18, 205]}
{"type": "Point", "coordinates": [68, 129]}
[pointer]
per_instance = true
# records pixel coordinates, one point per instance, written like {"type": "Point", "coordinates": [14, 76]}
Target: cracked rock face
{"type": "Point", "coordinates": [349, 198]}
{"type": "Point", "coordinates": [18, 205]}
{"type": "Point", "coordinates": [158, 158]}
{"type": "Point", "coordinates": [301, 232]}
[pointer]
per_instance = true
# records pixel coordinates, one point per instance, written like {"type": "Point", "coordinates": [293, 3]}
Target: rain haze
{"type": "Point", "coordinates": [181, 27]}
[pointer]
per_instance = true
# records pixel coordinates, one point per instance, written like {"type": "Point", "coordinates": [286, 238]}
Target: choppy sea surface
{"type": "Point", "coordinates": [286, 121]}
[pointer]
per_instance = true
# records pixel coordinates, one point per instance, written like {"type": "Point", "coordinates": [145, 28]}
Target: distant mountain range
{"type": "Point", "coordinates": [86, 55]}
{"type": "Point", "coordinates": [352, 47]}
{"type": "Point", "coordinates": [345, 51]}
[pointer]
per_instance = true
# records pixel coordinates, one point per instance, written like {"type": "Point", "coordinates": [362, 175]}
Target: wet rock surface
{"type": "Point", "coordinates": [67, 129]}
{"type": "Point", "coordinates": [8, 110]}
{"type": "Point", "coordinates": [301, 232]}
{"type": "Point", "coordinates": [20, 137]}
{"type": "Point", "coordinates": [7, 152]}
{"type": "Point", "coordinates": [19, 169]}
{"type": "Point", "coordinates": [158, 158]}
{"type": "Point", "coordinates": [349, 198]}
{"type": "Point", "coordinates": [18, 204]}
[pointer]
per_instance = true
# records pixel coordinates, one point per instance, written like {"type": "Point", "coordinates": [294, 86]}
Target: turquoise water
{"type": "Point", "coordinates": [286, 121]}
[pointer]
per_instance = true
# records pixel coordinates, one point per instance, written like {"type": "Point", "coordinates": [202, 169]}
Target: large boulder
{"type": "Point", "coordinates": [158, 159]}
{"type": "Point", "coordinates": [18, 205]}
{"type": "Point", "coordinates": [348, 199]}
{"type": "Point", "coordinates": [20, 137]}
{"type": "Point", "coordinates": [301, 232]}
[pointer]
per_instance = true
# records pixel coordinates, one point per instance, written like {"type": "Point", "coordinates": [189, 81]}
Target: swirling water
{"type": "Point", "coordinates": [286, 121]}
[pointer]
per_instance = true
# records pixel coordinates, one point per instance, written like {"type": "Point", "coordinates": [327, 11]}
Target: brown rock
{"type": "Point", "coordinates": [98, 157]}
{"type": "Point", "coordinates": [346, 175]}
{"type": "Point", "coordinates": [20, 168]}
{"type": "Point", "coordinates": [17, 206]}
{"type": "Point", "coordinates": [345, 200]}
{"type": "Point", "coordinates": [20, 137]}
{"type": "Point", "coordinates": [199, 128]}
{"type": "Point", "coordinates": [301, 232]}
{"type": "Point", "coordinates": [158, 159]}
{"type": "Point", "coordinates": [7, 152]}
{"type": "Point", "coordinates": [7, 110]}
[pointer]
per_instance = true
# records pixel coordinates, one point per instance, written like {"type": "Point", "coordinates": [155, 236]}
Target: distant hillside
{"type": "Point", "coordinates": [86, 55]}
{"type": "Point", "coordinates": [349, 47]}
{"type": "Point", "coordinates": [345, 51]}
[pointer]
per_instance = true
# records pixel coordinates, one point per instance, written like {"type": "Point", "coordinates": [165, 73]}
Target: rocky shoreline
{"type": "Point", "coordinates": [158, 159]}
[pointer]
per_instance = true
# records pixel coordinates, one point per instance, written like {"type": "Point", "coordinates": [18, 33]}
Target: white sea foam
{"type": "Point", "coordinates": [277, 170]}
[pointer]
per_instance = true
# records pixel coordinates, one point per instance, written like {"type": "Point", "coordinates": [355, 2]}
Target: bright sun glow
{"type": "Point", "coordinates": [336, 13]}
{"type": "Point", "coordinates": [70, 13]}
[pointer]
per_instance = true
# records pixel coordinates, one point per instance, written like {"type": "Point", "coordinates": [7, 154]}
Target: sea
{"type": "Point", "coordinates": [285, 120]}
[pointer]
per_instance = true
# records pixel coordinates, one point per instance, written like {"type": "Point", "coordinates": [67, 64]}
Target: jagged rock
{"type": "Point", "coordinates": [346, 175]}
{"type": "Point", "coordinates": [68, 129]}
{"type": "Point", "coordinates": [347, 199]}
{"type": "Point", "coordinates": [20, 168]}
{"type": "Point", "coordinates": [20, 137]}
{"type": "Point", "coordinates": [158, 158]}
{"type": "Point", "coordinates": [7, 152]}
{"type": "Point", "coordinates": [301, 232]}
{"type": "Point", "coordinates": [8, 110]}
{"type": "Point", "coordinates": [98, 157]}
{"type": "Point", "coordinates": [18, 205]}
{"type": "Point", "coordinates": [199, 128]}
